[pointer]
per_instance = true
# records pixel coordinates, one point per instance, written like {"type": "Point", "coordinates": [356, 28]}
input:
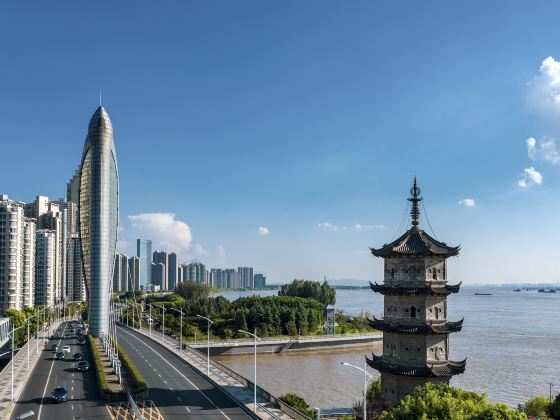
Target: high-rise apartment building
{"type": "Point", "coordinates": [28, 269]}
{"type": "Point", "coordinates": [161, 257]}
{"type": "Point", "coordinates": [195, 271]}
{"type": "Point", "coordinates": [120, 273]}
{"type": "Point", "coordinates": [98, 211]}
{"type": "Point", "coordinates": [245, 277]}
{"type": "Point", "coordinates": [159, 274]}
{"type": "Point", "coordinates": [144, 252]}
{"type": "Point", "coordinates": [15, 255]}
{"type": "Point", "coordinates": [45, 267]}
{"type": "Point", "coordinates": [179, 274]}
{"type": "Point", "coordinates": [172, 266]}
{"type": "Point", "coordinates": [134, 273]}
{"type": "Point", "coordinates": [76, 289]}
{"type": "Point", "coordinates": [259, 281]}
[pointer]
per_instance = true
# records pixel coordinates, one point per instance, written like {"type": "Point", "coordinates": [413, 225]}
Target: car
{"type": "Point", "coordinates": [60, 394]}
{"type": "Point", "coordinates": [66, 349]}
{"type": "Point", "coordinates": [60, 355]}
{"type": "Point", "coordinates": [83, 366]}
{"type": "Point", "coordinates": [53, 347]}
{"type": "Point", "coordinates": [77, 357]}
{"type": "Point", "coordinates": [66, 336]}
{"type": "Point", "coordinates": [81, 341]}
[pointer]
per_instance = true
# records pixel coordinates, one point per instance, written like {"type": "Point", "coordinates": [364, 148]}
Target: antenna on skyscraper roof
{"type": "Point", "coordinates": [100, 102]}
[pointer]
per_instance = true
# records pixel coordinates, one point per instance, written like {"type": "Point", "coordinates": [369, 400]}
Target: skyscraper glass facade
{"type": "Point", "coordinates": [144, 252]}
{"type": "Point", "coordinates": [98, 210]}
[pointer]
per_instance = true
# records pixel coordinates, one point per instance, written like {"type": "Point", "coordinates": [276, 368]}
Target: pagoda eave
{"type": "Point", "coordinates": [415, 290]}
{"type": "Point", "coordinates": [445, 369]}
{"type": "Point", "coordinates": [424, 329]}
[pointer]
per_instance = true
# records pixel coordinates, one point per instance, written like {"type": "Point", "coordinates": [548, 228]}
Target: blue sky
{"type": "Point", "coordinates": [305, 118]}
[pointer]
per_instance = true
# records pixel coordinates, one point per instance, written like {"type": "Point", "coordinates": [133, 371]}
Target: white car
{"type": "Point", "coordinates": [66, 349]}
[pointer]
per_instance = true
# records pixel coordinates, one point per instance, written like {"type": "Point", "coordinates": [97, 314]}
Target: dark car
{"type": "Point", "coordinates": [60, 355]}
{"type": "Point", "coordinates": [83, 366]}
{"type": "Point", "coordinates": [60, 394]}
{"type": "Point", "coordinates": [82, 341]}
{"type": "Point", "coordinates": [77, 357]}
{"type": "Point", "coordinates": [53, 347]}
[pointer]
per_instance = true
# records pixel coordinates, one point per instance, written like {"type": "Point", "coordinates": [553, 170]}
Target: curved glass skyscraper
{"type": "Point", "coordinates": [99, 208]}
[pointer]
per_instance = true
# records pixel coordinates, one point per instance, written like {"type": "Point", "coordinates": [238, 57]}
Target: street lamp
{"type": "Point", "coordinates": [181, 333]}
{"type": "Point", "coordinates": [163, 329]}
{"type": "Point", "coordinates": [210, 322]}
{"type": "Point", "coordinates": [366, 374]}
{"type": "Point", "coordinates": [255, 380]}
{"type": "Point", "coordinates": [151, 320]}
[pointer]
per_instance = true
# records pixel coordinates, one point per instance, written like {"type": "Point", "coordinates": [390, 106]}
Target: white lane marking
{"type": "Point", "coordinates": [165, 382]}
{"type": "Point", "coordinates": [48, 378]}
{"type": "Point", "coordinates": [159, 376]}
{"type": "Point", "coordinates": [180, 373]}
{"type": "Point", "coordinates": [72, 407]}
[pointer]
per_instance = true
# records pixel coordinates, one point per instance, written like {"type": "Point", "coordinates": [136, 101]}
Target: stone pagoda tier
{"type": "Point", "coordinates": [415, 325]}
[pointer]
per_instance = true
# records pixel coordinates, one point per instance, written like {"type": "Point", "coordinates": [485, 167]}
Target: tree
{"type": "Point", "coordinates": [445, 402]}
{"type": "Point", "coordinates": [310, 290]}
{"type": "Point", "coordinates": [291, 328]}
{"type": "Point", "coordinates": [295, 401]}
{"type": "Point", "coordinates": [374, 390]}
{"type": "Point", "coordinates": [191, 290]}
{"type": "Point", "coordinates": [554, 409]}
{"type": "Point", "coordinates": [17, 319]}
{"type": "Point", "coordinates": [311, 321]}
{"type": "Point", "coordinates": [537, 407]}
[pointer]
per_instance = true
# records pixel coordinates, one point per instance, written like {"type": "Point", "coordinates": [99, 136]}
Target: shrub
{"type": "Point", "coordinates": [297, 402]}
{"type": "Point", "coordinates": [537, 407]}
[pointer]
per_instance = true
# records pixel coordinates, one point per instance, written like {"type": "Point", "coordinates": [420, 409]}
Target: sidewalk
{"type": "Point", "coordinates": [21, 370]}
{"type": "Point", "coordinates": [232, 386]}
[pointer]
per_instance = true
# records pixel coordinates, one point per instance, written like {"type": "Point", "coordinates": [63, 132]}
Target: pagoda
{"type": "Point", "coordinates": [415, 326]}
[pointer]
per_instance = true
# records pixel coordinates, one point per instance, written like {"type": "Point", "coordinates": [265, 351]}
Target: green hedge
{"type": "Point", "coordinates": [99, 368]}
{"type": "Point", "coordinates": [139, 385]}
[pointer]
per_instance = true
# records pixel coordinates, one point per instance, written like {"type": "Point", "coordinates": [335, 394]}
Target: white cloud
{"type": "Point", "coordinates": [544, 91]}
{"type": "Point", "coordinates": [529, 177]}
{"type": "Point", "coordinates": [467, 202]}
{"type": "Point", "coordinates": [199, 250]}
{"type": "Point", "coordinates": [330, 226]}
{"type": "Point", "coordinates": [545, 149]}
{"type": "Point", "coordinates": [263, 231]}
{"type": "Point", "coordinates": [164, 230]}
{"type": "Point", "coordinates": [359, 226]}
{"type": "Point", "coordinates": [221, 252]}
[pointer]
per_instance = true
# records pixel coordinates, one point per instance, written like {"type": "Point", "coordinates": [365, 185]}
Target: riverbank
{"type": "Point", "coordinates": [294, 344]}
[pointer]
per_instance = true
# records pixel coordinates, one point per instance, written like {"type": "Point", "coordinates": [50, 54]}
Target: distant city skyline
{"type": "Point", "coordinates": [286, 136]}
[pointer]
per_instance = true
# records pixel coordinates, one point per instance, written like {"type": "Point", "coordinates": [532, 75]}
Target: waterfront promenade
{"type": "Point", "coordinates": [286, 344]}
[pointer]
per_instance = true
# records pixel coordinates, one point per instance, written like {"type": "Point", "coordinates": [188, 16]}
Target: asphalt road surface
{"type": "Point", "coordinates": [83, 396]}
{"type": "Point", "coordinates": [177, 389]}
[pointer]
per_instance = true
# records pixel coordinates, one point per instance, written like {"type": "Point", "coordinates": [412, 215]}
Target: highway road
{"type": "Point", "coordinates": [83, 396]}
{"type": "Point", "coordinates": [177, 389]}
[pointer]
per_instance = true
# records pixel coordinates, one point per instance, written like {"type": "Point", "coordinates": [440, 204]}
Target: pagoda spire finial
{"type": "Point", "coordinates": [415, 199]}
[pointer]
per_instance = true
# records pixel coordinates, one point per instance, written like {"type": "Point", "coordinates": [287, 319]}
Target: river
{"type": "Point", "coordinates": [511, 340]}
